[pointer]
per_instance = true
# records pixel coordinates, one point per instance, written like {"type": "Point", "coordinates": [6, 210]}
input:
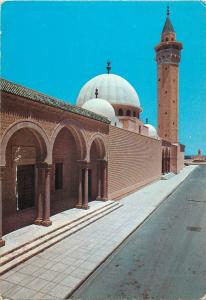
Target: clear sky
{"type": "Point", "coordinates": [55, 47]}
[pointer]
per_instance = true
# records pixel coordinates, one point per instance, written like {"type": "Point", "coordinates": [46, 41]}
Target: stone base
{"type": "Point", "coordinates": [85, 206]}
{"type": "Point", "coordinates": [101, 199]}
{"type": "Point", "coordinates": [78, 206]}
{"type": "Point", "coordinates": [46, 223]}
{"type": "Point", "coordinates": [2, 243]}
{"type": "Point", "coordinates": [38, 222]}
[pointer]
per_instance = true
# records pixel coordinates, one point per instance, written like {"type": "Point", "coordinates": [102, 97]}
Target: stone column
{"type": "Point", "coordinates": [79, 203]}
{"type": "Point", "coordinates": [164, 165]}
{"type": "Point", "coordinates": [85, 204]}
{"type": "Point", "coordinates": [2, 242]}
{"type": "Point", "coordinates": [162, 162]}
{"type": "Point", "coordinates": [169, 162]}
{"type": "Point", "coordinates": [47, 221]}
{"type": "Point", "coordinates": [39, 194]}
{"type": "Point", "coordinates": [104, 180]}
{"type": "Point", "coordinates": [99, 181]}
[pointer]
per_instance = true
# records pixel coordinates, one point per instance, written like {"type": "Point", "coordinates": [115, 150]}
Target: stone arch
{"type": "Point", "coordinates": [35, 128]}
{"type": "Point", "coordinates": [97, 158]}
{"type": "Point", "coordinates": [77, 132]}
{"type": "Point", "coordinates": [25, 146]}
{"type": "Point", "coordinates": [100, 143]}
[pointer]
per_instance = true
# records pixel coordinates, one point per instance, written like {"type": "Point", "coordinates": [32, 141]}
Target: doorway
{"type": "Point", "coordinates": [25, 187]}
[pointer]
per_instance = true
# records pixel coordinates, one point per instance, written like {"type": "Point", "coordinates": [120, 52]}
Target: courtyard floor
{"type": "Point", "coordinates": [59, 270]}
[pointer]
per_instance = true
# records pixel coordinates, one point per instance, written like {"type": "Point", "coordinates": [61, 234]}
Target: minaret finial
{"type": "Point", "coordinates": [168, 10]}
{"type": "Point", "coordinates": [96, 93]}
{"type": "Point", "coordinates": [108, 67]}
{"type": "Point", "coordinates": [146, 120]}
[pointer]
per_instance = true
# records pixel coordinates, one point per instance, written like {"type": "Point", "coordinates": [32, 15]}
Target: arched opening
{"type": "Point", "coordinates": [94, 173]}
{"type": "Point", "coordinates": [129, 113]}
{"type": "Point", "coordinates": [64, 176]}
{"type": "Point", "coordinates": [120, 112]}
{"type": "Point", "coordinates": [25, 150]}
{"type": "Point", "coordinates": [97, 172]}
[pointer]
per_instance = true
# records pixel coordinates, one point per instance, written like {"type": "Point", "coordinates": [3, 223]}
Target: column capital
{"type": "Point", "coordinates": [43, 165]}
{"type": "Point", "coordinates": [103, 162]}
{"type": "Point", "coordinates": [83, 164]}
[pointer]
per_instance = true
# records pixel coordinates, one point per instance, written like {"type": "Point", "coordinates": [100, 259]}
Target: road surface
{"type": "Point", "coordinates": [165, 258]}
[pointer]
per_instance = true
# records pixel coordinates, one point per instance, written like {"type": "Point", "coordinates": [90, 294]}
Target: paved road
{"type": "Point", "coordinates": [165, 258]}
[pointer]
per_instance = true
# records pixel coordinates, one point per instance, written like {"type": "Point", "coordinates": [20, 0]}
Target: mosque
{"type": "Point", "coordinates": [56, 156]}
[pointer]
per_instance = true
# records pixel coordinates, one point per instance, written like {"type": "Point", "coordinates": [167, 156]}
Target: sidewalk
{"type": "Point", "coordinates": [56, 272]}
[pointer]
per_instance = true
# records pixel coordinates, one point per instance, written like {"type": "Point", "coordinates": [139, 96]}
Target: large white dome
{"type": "Point", "coordinates": [151, 131]}
{"type": "Point", "coordinates": [111, 87]}
{"type": "Point", "coordinates": [101, 107]}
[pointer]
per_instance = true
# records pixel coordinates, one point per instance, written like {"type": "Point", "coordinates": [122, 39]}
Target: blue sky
{"type": "Point", "coordinates": [55, 47]}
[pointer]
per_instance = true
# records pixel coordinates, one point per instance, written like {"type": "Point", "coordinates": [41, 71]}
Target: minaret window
{"type": "Point", "coordinates": [128, 113]}
{"type": "Point", "coordinates": [166, 113]}
{"type": "Point", "coordinates": [134, 114]}
{"type": "Point", "coordinates": [165, 92]}
{"type": "Point", "coordinates": [120, 112]}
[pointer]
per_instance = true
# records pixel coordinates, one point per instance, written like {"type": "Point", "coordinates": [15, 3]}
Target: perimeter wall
{"type": "Point", "coordinates": [133, 161]}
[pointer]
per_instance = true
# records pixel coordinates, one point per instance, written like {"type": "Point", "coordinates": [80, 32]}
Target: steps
{"type": "Point", "coordinates": [22, 253]}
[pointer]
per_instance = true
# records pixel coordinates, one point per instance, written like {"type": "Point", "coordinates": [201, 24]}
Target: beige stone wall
{"type": "Point", "coordinates": [180, 159]}
{"type": "Point", "coordinates": [177, 159]}
{"type": "Point", "coordinates": [133, 161]}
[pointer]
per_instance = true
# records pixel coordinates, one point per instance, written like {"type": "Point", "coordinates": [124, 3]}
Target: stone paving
{"type": "Point", "coordinates": [28, 233]}
{"type": "Point", "coordinates": [57, 271]}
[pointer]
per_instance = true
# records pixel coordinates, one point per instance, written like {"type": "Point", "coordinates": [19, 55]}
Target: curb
{"type": "Point", "coordinates": [109, 254]}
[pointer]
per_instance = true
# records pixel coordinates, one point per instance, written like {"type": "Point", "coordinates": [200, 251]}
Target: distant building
{"type": "Point", "coordinates": [199, 157]}
{"type": "Point", "coordinates": [55, 156]}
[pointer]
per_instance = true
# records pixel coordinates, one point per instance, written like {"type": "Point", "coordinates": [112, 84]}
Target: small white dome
{"type": "Point", "coordinates": [152, 132]}
{"type": "Point", "coordinates": [101, 107]}
{"type": "Point", "coordinates": [111, 87]}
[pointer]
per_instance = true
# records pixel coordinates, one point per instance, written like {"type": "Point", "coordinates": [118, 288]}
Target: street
{"type": "Point", "coordinates": [165, 258]}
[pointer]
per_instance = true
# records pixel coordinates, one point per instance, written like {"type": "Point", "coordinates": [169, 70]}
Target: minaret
{"type": "Point", "coordinates": [168, 53]}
